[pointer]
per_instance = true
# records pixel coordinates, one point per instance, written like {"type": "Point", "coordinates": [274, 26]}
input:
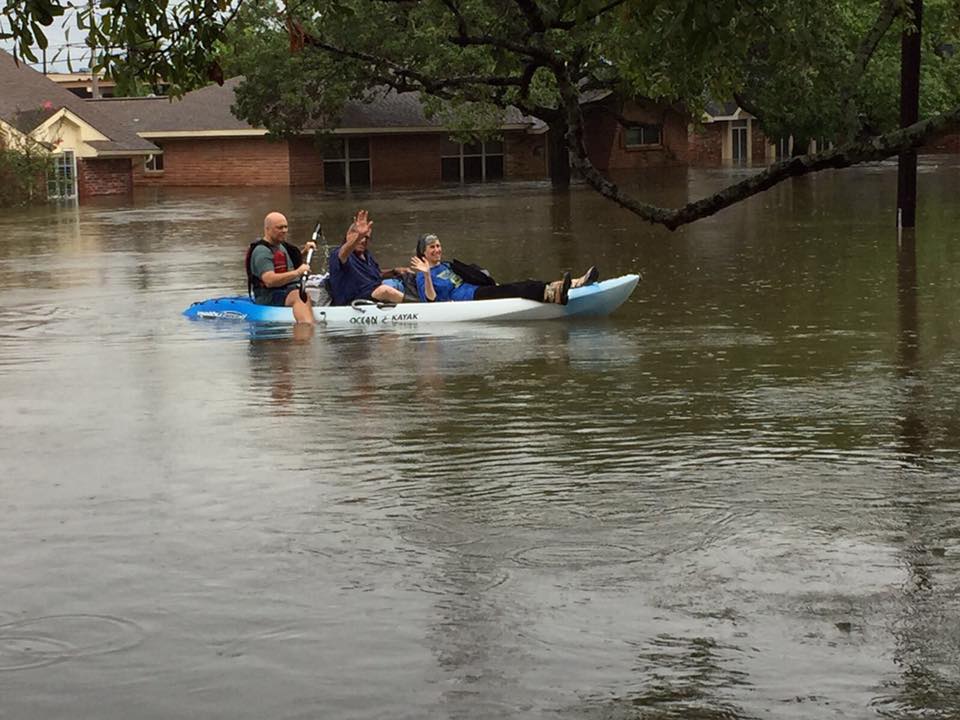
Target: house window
{"type": "Point", "coordinates": [642, 135]}
{"type": "Point", "coordinates": [346, 163]}
{"type": "Point", "coordinates": [62, 181]}
{"type": "Point", "coordinates": [472, 162]}
{"type": "Point", "coordinates": [154, 163]}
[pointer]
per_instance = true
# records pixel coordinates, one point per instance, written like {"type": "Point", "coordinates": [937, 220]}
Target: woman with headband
{"type": "Point", "coordinates": [437, 282]}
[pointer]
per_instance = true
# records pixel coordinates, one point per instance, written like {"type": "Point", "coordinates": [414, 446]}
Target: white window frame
{"type": "Point", "coordinates": [735, 126]}
{"type": "Point", "coordinates": [483, 155]}
{"type": "Point", "coordinates": [150, 163]}
{"type": "Point", "coordinates": [64, 172]}
{"type": "Point", "coordinates": [346, 159]}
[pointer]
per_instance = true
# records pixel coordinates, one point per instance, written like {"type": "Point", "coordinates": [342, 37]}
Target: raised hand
{"type": "Point", "coordinates": [418, 264]}
{"type": "Point", "coordinates": [363, 223]}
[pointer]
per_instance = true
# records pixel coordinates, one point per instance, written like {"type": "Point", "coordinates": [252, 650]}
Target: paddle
{"type": "Point", "coordinates": [317, 232]}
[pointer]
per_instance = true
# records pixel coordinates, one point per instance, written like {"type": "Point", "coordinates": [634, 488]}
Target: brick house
{"type": "Point", "coordinates": [93, 154]}
{"type": "Point", "coordinates": [645, 133]}
{"type": "Point", "coordinates": [632, 135]}
{"type": "Point", "coordinates": [728, 134]}
{"type": "Point", "coordinates": [385, 142]}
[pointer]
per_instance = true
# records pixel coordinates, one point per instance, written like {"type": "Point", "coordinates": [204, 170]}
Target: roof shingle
{"type": "Point", "coordinates": [208, 110]}
{"type": "Point", "coordinates": [27, 99]}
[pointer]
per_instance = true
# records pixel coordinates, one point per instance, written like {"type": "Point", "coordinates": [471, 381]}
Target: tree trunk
{"type": "Point", "coordinates": [558, 157]}
{"type": "Point", "coordinates": [909, 114]}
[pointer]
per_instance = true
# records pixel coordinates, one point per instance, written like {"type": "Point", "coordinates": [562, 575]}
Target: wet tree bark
{"type": "Point", "coordinates": [558, 156]}
{"type": "Point", "coordinates": [909, 114]}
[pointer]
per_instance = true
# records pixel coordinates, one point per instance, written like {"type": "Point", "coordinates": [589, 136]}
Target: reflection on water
{"type": "Point", "coordinates": [913, 431]}
{"type": "Point", "coordinates": [733, 498]}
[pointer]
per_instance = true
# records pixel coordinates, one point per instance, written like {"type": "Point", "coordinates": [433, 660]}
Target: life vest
{"type": "Point", "coordinates": [279, 261]}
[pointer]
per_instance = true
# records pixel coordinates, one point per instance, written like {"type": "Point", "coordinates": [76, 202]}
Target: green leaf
{"type": "Point", "coordinates": [39, 36]}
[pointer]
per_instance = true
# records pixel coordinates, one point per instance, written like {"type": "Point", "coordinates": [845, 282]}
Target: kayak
{"type": "Point", "coordinates": [595, 300]}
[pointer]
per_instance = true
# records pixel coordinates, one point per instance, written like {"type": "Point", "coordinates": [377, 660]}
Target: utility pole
{"type": "Point", "coordinates": [909, 114]}
{"type": "Point", "coordinates": [92, 41]}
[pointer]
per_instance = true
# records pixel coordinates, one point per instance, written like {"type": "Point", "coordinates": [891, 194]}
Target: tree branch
{"type": "Point", "coordinates": [877, 148]}
{"type": "Point", "coordinates": [570, 24]}
{"type": "Point", "coordinates": [539, 55]}
{"type": "Point", "coordinates": [868, 46]}
{"type": "Point", "coordinates": [747, 104]}
{"type": "Point", "coordinates": [532, 13]}
{"type": "Point", "coordinates": [461, 20]}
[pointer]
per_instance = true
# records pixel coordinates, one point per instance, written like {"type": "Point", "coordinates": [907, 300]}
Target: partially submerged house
{"type": "Point", "coordinates": [94, 153]}
{"type": "Point", "coordinates": [633, 135]}
{"type": "Point", "coordinates": [108, 146]}
{"type": "Point", "coordinates": [728, 134]}
{"type": "Point", "coordinates": [385, 141]}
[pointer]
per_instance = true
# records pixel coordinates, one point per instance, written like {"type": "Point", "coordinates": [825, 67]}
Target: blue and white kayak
{"type": "Point", "coordinates": [594, 300]}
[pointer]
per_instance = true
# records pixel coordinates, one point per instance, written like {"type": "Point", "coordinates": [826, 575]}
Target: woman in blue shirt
{"type": "Point", "coordinates": [437, 282]}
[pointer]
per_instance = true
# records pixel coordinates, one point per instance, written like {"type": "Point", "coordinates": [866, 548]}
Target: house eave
{"type": "Point", "coordinates": [259, 132]}
{"type": "Point", "coordinates": [126, 153]}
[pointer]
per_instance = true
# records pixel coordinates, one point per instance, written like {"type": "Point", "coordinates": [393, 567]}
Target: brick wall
{"type": "Point", "coordinates": [103, 176]}
{"type": "Point", "coordinates": [705, 144]}
{"type": "Point", "coordinates": [605, 137]}
{"type": "Point", "coordinates": [306, 162]}
{"type": "Point", "coordinates": [525, 156]}
{"type": "Point", "coordinates": [758, 144]}
{"type": "Point", "coordinates": [402, 160]}
{"type": "Point", "coordinates": [599, 132]}
{"type": "Point", "coordinates": [246, 161]}
{"type": "Point", "coordinates": [141, 177]}
{"type": "Point", "coordinates": [406, 160]}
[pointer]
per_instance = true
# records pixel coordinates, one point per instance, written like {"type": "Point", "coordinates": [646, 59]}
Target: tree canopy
{"type": "Point", "coordinates": [808, 68]}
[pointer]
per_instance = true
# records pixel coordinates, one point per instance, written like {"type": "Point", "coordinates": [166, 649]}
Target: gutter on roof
{"type": "Point", "coordinates": [738, 114]}
{"type": "Point", "coordinates": [150, 134]}
{"type": "Point", "coordinates": [123, 153]}
{"type": "Point", "coordinates": [254, 132]}
{"type": "Point", "coordinates": [412, 130]}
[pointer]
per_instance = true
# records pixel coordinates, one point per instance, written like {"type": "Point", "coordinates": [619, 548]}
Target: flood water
{"type": "Point", "coordinates": [737, 497]}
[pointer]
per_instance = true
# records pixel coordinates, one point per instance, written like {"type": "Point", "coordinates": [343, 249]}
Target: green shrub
{"type": "Point", "coordinates": [23, 173]}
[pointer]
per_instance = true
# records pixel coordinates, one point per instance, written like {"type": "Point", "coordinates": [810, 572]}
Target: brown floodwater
{"type": "Point", "coordinates": [737, 497]}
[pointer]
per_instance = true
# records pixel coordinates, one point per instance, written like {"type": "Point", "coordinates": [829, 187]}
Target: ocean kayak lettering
{"type": "Point", "coordinates": [374, 320]}
{"type": "Point", "coordinates": [221, 315]}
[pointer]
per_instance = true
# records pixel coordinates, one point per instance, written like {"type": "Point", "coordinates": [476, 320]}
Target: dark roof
{"type": "Point", "coordinates": [208, 110]}
{"type": "Point", "coordinates": [201, 110]}
{"type": "Point", "coordinates": [28, 98]}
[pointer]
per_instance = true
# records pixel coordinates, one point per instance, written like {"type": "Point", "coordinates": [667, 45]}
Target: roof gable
{"type": "Point", "coordinates": [28, 100]}
{"type": "Point", "coordinates": [12, 136]}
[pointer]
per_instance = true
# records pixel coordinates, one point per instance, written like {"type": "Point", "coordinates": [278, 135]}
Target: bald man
{"type": "Point", "coordinates": [273, 276]}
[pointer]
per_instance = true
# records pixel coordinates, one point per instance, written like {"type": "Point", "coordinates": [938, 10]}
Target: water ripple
{"type": "Point", "coordinates": [34, 642]}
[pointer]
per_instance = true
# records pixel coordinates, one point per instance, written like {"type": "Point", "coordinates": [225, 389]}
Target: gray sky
{"type": "Point", "coordinates": [63, 37]}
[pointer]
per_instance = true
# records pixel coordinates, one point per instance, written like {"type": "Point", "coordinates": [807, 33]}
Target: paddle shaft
{"type": "Point", "coordinates": [317, 232]}
{"type": "Point", "coordinates": [303, 278]}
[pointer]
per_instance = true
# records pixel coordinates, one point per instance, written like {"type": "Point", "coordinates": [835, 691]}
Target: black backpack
{"type": "Point", "coordinates": [473, 274]}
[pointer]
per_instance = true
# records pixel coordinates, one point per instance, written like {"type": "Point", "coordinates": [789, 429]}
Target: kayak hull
{"type": "Point", "coordinates": [596, 300]}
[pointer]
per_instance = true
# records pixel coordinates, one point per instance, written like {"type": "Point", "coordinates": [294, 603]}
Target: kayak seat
{"type": "Point", "coordinates": [318, 288]}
